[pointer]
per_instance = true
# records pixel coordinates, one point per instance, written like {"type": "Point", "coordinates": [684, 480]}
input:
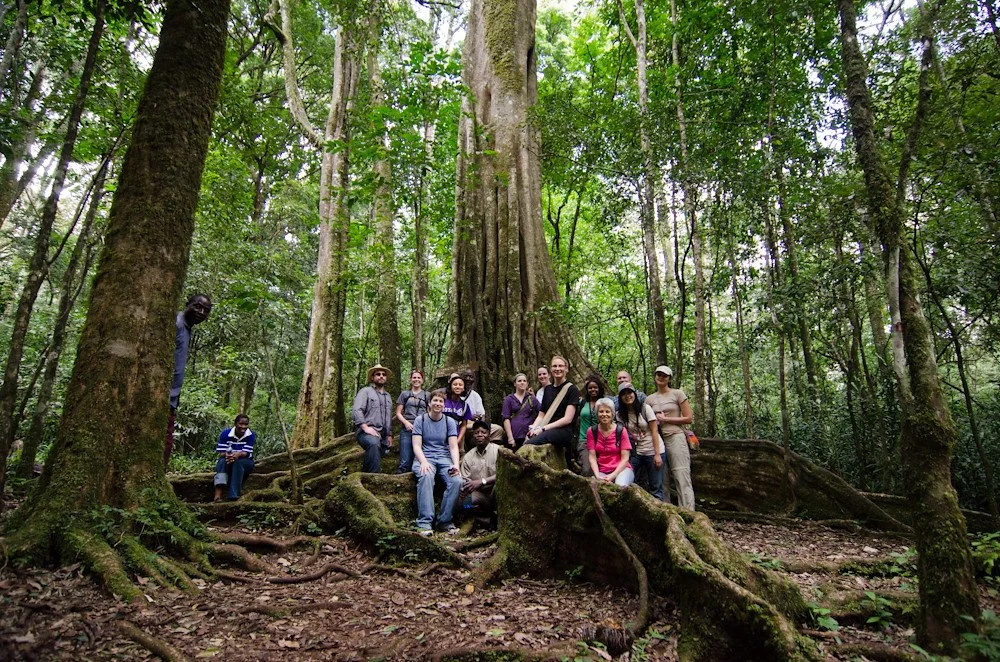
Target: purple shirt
{"type": "Point", "coordinates": [520, 413]}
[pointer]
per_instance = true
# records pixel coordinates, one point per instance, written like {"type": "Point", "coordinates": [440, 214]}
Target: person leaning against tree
{"type": "Point", "coordinates": [196, 311]}
{"type": "Point", "coordinates": [372, 417]}
{"type": "Point", "coordinates": [673, 410]}
{"type": "Point", "coordinates": [554, 423]}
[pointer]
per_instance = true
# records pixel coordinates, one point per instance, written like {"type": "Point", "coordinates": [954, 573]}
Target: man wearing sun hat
{"type": "Point", "coordinates": [372, 416]}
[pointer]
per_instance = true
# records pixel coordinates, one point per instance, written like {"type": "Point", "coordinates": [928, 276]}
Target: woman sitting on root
{"type": "Point", "coordinates": [609, 448]}
{"type": "Point", "coordinates": [554, 423]}
{"type": "Point", "coordinates": [519, 411]}
{"type": "Point", "coordinates": [235, 449]}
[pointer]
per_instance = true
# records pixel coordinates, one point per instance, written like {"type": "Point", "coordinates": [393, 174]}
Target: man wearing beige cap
{"type": "Point", "coordinates": [372, 417]}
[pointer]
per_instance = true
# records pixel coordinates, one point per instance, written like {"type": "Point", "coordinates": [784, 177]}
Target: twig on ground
{"type": "Point", "coordinates": [154, 645]}
{"type": "Point", "coordinates": [433, 567]}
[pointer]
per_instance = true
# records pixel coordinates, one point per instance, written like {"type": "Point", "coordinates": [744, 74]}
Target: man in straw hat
{"type": "Point", "coordinates": [372, 416]}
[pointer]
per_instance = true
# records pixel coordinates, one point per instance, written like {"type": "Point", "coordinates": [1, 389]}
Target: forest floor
{"type": "Point", "coordinates": [418, 612]}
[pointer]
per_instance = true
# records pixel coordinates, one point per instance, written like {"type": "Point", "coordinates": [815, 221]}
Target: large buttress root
{"type": "Point", "coordinates": [550, 523]}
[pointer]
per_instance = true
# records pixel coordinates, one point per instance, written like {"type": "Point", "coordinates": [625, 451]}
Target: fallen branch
{"type": "Point", "coordinates": [154, 645]}
{"type": "Point", "coordinates": [433, 567]}
{"type": "Point", "coordinates": [234, 577]}
{"type": "Point", "coordinates": [313, 576]}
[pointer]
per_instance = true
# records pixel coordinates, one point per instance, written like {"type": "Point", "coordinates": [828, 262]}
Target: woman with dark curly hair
{"type": "Point", "coordinates": [593, 390]}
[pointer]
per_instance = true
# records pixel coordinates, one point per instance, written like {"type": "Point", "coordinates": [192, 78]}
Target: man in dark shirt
{"type": "Point", "coordinates": [196, 311]}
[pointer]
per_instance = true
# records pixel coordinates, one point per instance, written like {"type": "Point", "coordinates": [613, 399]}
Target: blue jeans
{"type": "Point", "coordinates": [372, 445]}
{"type": "Point", "coordinates": [425, 493]}
{"type": "Point", "coordinates": [233, 474]}
{"type": "Point", "coordinates": [405, 450]}
{"type": "Point", "coordinates": [647, 475]}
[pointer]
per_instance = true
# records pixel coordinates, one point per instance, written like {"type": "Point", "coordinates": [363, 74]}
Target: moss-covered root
{"type": "Point", "coordinates": [101, 561]}
{"type": "Point", "coordinates": [550, 524]}
{"type": "Point", "coordinates": [142, 560]}
{"type": "Point", "coordinates": [352, 505]}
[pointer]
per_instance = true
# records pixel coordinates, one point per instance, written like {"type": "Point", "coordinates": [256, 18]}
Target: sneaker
{"type": "Point", "coordinates": [426, 533]}
{"type": "Point", "coordinates": [450, 530]}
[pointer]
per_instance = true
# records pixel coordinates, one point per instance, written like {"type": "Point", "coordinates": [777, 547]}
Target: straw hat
{"type": "Point", "coordinates": [378, 366]}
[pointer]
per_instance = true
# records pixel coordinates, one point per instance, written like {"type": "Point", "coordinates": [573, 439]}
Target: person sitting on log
{"type": "Point", "coordinates": [519, 411]}
{"type": "Point", "coordinates": [235, 449]}
{"type": "Point", "coordinates": [554, 423]}
{"type": "Point", "coordinates": [609, 447]}
{"type": "Point", "coordinates": [455, 406]}
{"type": "Point", "coordinates": [640, 422]}
{"type": "Point", "coordinates": [372, 417]}
{"type": "Point", "coordinates": [593, 390]}
{"type": "Point", "coordinates": [673, 409]}
{"type": "Point", "coordinates": [410, 404]}
{"type": "Point", "coordinates": [435, 445]}
{"type": "Point", "coordinates": [479, 474]}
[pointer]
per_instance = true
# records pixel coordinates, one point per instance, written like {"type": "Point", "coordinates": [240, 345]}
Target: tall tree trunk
{"type": "Point", "coordinates": [690, 200]}
{"type": "Point", "coordinates": [384, 210]}
{"type": "Point", "coordinates": [109, 448]}
{"type": "Point", "coordinates": [12, 180]}
{"type": "Point", "coordinates": [320, 408]}
{"type": "Point", "coordinates": [73, 282]}
{"type": "Point", "coordinates": [11, 50]}
{"type": "Point", "coordinates": [744, 352]}
{"type": "Point", "coordinates": [419, 286]}
{"type": "Point", "coordinates": [38, 265]}
{"type": "Point", "coordinates": [970, 411]}
{"type": "Point", "coordinates": [651, 202]}
{"type": "Point", "coordinates": [504, 317]}
{"type": "Point", "coordinates": [680, 263]}
{"type": "Point", "coordinates": [947, 585]}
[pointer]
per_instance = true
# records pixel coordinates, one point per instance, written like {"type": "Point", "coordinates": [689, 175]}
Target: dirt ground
{"type": "Point", "coordinates": [413, 613]}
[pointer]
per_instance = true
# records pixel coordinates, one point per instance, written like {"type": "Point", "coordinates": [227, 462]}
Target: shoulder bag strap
{"type": "Point", "coordinates": [555, 404]}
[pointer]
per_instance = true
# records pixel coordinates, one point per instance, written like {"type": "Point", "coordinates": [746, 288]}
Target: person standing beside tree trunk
{"type": "Point", "coordinates": [196, 311]}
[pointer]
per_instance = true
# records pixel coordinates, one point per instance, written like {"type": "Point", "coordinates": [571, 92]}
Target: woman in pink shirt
{"type": "Point", "coordinates": [609, 448]}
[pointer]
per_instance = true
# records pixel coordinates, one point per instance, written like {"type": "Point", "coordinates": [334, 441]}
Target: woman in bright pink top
{"type": "Point", "coordinates": [608, 447]}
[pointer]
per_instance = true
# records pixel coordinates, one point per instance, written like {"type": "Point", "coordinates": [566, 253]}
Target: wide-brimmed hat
{"type": "Point", "coordinates": [665, 370]}
{"type": "Point", "coordinates": [378, 366]}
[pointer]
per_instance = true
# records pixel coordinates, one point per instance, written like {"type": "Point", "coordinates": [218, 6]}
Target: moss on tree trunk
{"type": "Point", "coordinates": [106, 465]}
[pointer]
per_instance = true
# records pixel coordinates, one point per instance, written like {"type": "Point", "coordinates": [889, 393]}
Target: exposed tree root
{"type": "Point", "coordinates": [731, 609]}
{"type": "Point", "coordinates": [237, 556]}
{"type": "Point", "coordinates": [432, 568]}
{"type": "Point", "coordinates": [476, 543]}
{"type": "Point", "coordinates": [234, 576]}
{"type": "Point", "coordinates": [264, 543]}
{"type": "Point", "coordinates": [154, 645]}
{"type": "Point", "coordinates": [351, 503]}
{"type": "Point", "coordinates": [874, 651]}
{"type": "Point", "coordinates": [610, 530]}
{"type": "Point", "coordinates": [103, 562]}
{"type": "Point", "coordinates": [313, 576]}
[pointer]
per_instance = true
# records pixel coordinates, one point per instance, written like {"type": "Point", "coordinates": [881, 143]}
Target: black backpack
{"type": "Point", "coordinates": [618, 435]}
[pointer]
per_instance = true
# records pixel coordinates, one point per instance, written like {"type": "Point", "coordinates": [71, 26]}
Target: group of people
{"type": "Point", "coordinates": [621, 439]}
